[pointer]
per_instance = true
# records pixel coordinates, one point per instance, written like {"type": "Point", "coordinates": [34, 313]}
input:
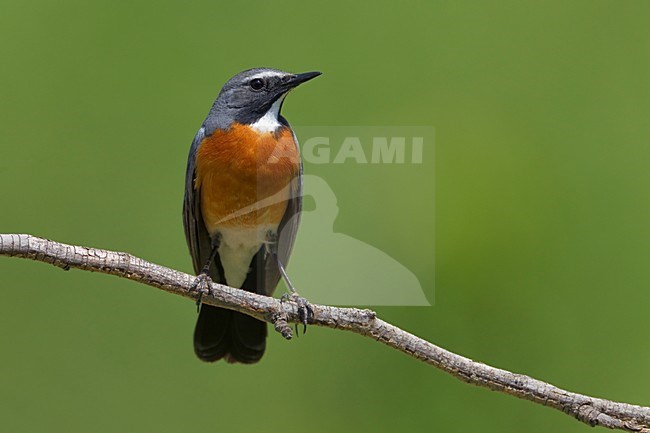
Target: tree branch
{"type": "Point", "coordinates": [590, 410]}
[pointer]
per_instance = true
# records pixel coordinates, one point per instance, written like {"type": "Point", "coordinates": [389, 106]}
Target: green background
{"type": "Point", "coordinates": [541, 208]}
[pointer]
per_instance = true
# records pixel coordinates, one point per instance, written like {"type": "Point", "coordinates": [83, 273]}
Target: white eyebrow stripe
{"type": "Point", "coordinates": [267, 74]}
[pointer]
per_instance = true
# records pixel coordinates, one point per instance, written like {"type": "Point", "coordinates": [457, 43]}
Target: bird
{"type": "Point", "coordinates": [241, 207]}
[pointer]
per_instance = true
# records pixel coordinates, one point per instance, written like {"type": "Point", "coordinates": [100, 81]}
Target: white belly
{"type": "Point", "coordinates": [237, 248]}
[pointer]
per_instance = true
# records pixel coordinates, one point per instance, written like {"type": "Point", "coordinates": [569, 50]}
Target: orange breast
{"type": "Point", "coordinates": [237, 169]}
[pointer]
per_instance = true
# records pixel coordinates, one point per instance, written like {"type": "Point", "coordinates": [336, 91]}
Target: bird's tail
{"type": "Point", "coordinates": [221, 333]}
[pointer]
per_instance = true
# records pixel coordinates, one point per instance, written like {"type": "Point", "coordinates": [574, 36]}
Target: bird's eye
{"type": "Point", "coordinates": [257, 83]}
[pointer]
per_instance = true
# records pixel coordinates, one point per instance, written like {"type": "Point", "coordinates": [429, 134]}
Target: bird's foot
{"type": "Point", "coordinates": [201, 286]}
{"type": "Point", "coordinates": [305, 310]}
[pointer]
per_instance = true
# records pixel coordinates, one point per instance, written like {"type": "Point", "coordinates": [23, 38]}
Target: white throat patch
{"type": "Point", "coordinates": [269, 122]}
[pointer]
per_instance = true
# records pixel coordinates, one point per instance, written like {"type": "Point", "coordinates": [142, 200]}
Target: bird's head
{"type": "Point", "coordinates": [254, 97]}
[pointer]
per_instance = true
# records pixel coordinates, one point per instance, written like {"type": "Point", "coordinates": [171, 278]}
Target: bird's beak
{"type": "Point", "coordinates": [291, 81]}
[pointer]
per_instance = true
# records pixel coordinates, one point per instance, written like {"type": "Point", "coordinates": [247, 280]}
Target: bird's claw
{"type": "Point", "coordinates": [201, 286]}
{"type": "Point", "coordinates": [305, 310]}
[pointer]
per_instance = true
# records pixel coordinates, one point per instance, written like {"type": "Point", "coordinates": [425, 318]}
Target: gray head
{"type": "Point", "coordinates": [254, 97]}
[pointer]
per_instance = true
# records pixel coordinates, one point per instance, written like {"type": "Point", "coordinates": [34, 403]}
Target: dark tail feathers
{"type": "Point", "coordinates": [222, 333]}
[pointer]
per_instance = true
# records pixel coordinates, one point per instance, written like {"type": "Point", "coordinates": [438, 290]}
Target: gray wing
{"type": "Point", "coordinates": [287, 231]}
{"type": "Point", "coordinates": [198, 239]}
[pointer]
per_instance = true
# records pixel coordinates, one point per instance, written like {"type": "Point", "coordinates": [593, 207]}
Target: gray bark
{"type": "Point", "coordinates": [590, 410]}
